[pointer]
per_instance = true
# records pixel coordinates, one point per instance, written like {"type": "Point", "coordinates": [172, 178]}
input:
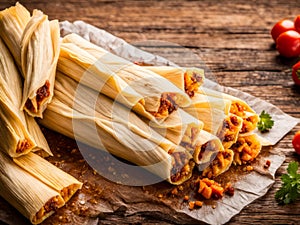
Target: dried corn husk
{"type": "Point", "coordinates": [21, 135]}
{"type": "Point", "coordinates": [174, 166]}
{"type": "Point", "coordinates": [119, 79]}
{"type": "Point", "coordinates": [179, 127]}
{"type": "Point", "coordinates": [88, 102]}
{"type": "Point", "coordinates": [49, 174]}
{"type": "Point", "coordinates": [187, 79]}
{"type": "Point", "coordinates": [238, 107]}
{"type": "Point", "coordinates": [34, 43]}
{"type": "Point", "coordinates": [31, 197]}
{"type": "Point", "coordinates": [210, 110]}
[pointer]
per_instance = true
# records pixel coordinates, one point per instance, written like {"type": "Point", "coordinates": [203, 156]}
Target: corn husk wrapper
{"type": "Point", "coordinates": [238, 107]}
{"type": "Point", "coordinates": [98, 133]}
{"type": "Point", "coordinates": [206, 148]}
{"type": "Point", "coordinates": [34, 43]}
{"type": "Point", "coordinates": [179, 127]}
{"type": "Point", "coordinates": [88, 102]}
{"type": "Point", "coordinates": [210, 110]}
{"type": "Point", "coordinates": [31, 197]}
{"type": "Point", "coordinates": [187, 79]}
{"type": "Point", "coordinates": [49, 174]}
{"type": "Point", "coordinates": [122, 78]}
{"type": "Point", "coordinates": [246, 149]}
{"type": "Point", "coordinates": [21, 135]}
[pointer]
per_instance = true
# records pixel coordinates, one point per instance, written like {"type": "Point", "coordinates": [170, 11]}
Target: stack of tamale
{"type": "Point", "coordinates": [27, 181]}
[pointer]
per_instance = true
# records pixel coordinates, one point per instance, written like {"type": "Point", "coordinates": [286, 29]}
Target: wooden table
{"type": "Point", "coordinates": [231, 37]}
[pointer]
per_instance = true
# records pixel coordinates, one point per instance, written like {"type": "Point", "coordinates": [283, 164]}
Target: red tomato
{"type": "Point", "coordinates": [296, 142]}
{"type": "Point", "coordinates": [297, 23]}
{"type": "Point", "coordinates": [288, 44]}
{"type": "Point", "coordinates": [296, 73]}
{"type": "Point", "coordinates": [280, 27]}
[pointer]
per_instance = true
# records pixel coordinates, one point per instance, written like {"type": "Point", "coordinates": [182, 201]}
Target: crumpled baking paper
{"type": "Point", "coordinates": [247, 187]}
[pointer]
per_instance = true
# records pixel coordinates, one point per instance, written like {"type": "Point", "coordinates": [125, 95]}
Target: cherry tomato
{"type": "Point", "coordinates": [296, 142]}
{"type": "Point", "coordinates": [296, 73]}
{"type": "Point", "coordinates": [280, 27]}
{"type": "Point", "coordinates": [288, 44]}
{"type": "Point", "coordinates": [297, 23]}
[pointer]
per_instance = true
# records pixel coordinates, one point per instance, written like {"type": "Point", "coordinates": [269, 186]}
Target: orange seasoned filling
{"type": "Point", "coordinates": [237, 109]}
{"type": "Point", "coordinates": [167, 105]}
{"type": "Point", "coordinates": [229, 129]}
{"type": "Point", "coordinates": [182, 166]}
{"type": "Point", "coordinates": [51, 205]}
{"type": "Point", "coordinates": [192, 81]}
{"type": "Point", "coordinates": [249, 124]}
{"type": "Point", "coordinates": [23, 145]}
{"type": "Point", "coordinates": [41, 94]}
{"type": "Point", "coordinates": [246, 149]}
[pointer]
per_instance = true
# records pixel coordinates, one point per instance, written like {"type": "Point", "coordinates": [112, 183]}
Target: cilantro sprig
{"type": "Point", "coordinates": [265, 122]}
{"type": "Point", "coordinates": [290, 189]}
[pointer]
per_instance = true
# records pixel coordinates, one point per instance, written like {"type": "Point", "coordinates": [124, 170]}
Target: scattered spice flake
{"type": "Point", "coordinates": [267, 164]}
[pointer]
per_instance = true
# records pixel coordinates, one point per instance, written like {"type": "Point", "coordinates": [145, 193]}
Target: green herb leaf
{"type": "Point", "coordinates": [290, 190]}
{"type": "Point", "coordinates": [265, 122]}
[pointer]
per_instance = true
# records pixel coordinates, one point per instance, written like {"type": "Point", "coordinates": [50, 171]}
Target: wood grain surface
{"type": "Point", "coordinates": [231, 37]}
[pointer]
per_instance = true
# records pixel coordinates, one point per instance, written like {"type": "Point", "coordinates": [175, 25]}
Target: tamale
{"type": "Point", "coordinates": [175, 166]}
{"type": "Point", "coordinates": [180, 128]}
{"type": "Point", "coordinates": [49, 174]}
{"type": "Point", "coordinates": [34, 43]}
{"type": "Point", "coordinates": [21, 135]}
{"type": "Point", "coordinates": [90, 103]}
{"type": "Point", "coordinates": [17, 139]}
{"type": "Point", "coordinates": [120, 79]}
{"type": "Point", "coordinates": [210, 110]}
{"type": "Point", "coordinates": [187, 79]}
{"type": "Point", "coordinates": [246, 149]}
{"type": "Point", "coordinates": [13, 21]}
{"type": "Point", "coordinates": [238, 107]}
{"type": "Point", "coordinates": [206, 148]}
{"type": "Point", "coordinates": [31, 197]}
{"type": "Point", "coordinates": [229, 131]}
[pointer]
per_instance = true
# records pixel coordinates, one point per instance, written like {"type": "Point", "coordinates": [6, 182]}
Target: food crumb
{"type": "Point", "coordinates": [160, 195]}
{"type": "Point", "coordinates": [174, 191]}
{"type": "Point", "coordinates": [214, 206]}
{"type": "Point", "coordinates": [249, 168]}
{"type": "Point", "coordinates": [186, 198]}
{"type": "Point", "coordinates": [180, 188]}
{"type": "Point", "coordinates": [267, 164]}
{"type": "Point", "coordinates": [199, 203]}
{"type": "Point", "coordinates": [191, 205]}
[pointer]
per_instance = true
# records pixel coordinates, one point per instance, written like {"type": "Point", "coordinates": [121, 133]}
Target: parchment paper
{"type": "Point", "coordinates": [247, 187]}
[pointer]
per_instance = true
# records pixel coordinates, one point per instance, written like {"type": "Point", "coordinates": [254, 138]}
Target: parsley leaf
{"type": "Point", "coordinates": [265, 122]}
{"type": "Point", "coordinates": [290, 190]}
